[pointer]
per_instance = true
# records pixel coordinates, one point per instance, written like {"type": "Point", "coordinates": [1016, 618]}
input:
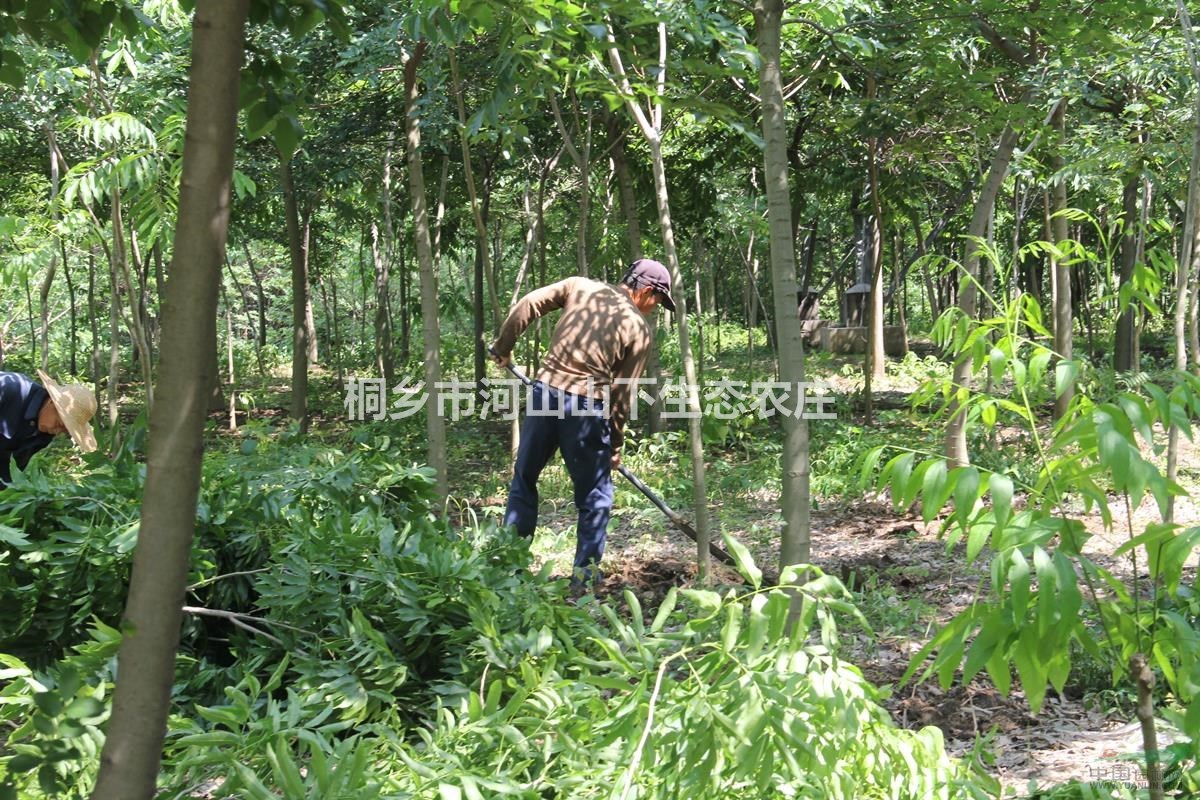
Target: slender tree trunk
{"type": "Point", "coordinates": [72, 307]}
{"type": "Point", "coordinates": [133, 747]}
{"type": "Point", "coordinates": [1123, 338]}
{"type": "Point", "coordinates": [956, 428]}
{"type": "Point", "coordinates": [114, 343]}
{"type": "Point", "coordinates": [440, 213]}
{"type": "Point", "coordinates": [483, 266]}
{"type": "Point", "coordinates": [651, 128]}
{"type": "Point", "coordinates": [1189, 246]}
{"type": "Point", "coordinates": [877, 358]}
{"type": "Point", "coordinates": [385, 355]}
{"type": "Point", "coordinates": [1063, 320]}
{"type": "Point", "coordinates": [795, 545]}
{"type": "Point", "coordinates": [93, 324]}
{"type": "Point", "coordinates": [581, 154]}
{"type": "Point", "coordinates": [260, 294]}
{"type": "Point", "coordinates": [229, 358]}
{"type": "Point", "coordinates": [300, 299]}
{"type": "Point", "coordinates": [1194, 323]}
{"type": "Point", "coordinates": [310, 321]}
{"type": "Point", "coordinates": [1143, 676]}
{"type": "Point", "coordinates": [383, 323]}
{"type": "Point", "coordinates": [633, 234]}
{"type": "Point", "coordinates": [405, 302]}
{"type": "Point", "coordinates": [48, 281]}
{"type": "Point", "coordinates": [435, 425]}
{"type": "Point", "coordinates": [337, 335]}
{"type": "Point", "coordinates": [133, 321]}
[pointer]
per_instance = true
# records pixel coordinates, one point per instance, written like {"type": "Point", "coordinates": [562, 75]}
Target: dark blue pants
{"type": "Point", "coordinates": [557, 420]}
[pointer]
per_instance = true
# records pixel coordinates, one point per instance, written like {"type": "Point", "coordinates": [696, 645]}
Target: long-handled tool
{"type": "Point", "coordinates": [676, 519]}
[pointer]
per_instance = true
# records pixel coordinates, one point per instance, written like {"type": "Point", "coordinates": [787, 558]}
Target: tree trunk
{"type": "Point", "coordinates": [651, 128]}
{"type": "Point", "coordinates": [229, 358]}
{"type": "Point", "coordinates": [877, 358]}
{"type": "Point", "coordinates": [435, 425]}
{"type": "Point", "coordinates": [133, 321]}
{"type": "Point", "coordinates": [956, 428]}
{"type": "Point", "coordinates": [74, 368]}
{"type": "Point", "coordinates": [385, 351]}
{"type": "Point", "coordinates": [405, 300]}
{"type": "Point", "coordinates": [114, 342]}
{"type": "Point", "coordinates": [48, 281]}
{"type": "Point", "coordinates": [300, 299]}
{"type": "Point", "coordinates": [483, 266]}
{"type": "Point", "coordinates": [260, 294]}
{"type": "Point", "coordinates": [581, 155]}
{"type": "Point", "coordinates": [337, 334]}
{"type": "Point", "coordinates": [633, 234]}
{"type": "Point", "coordinates": [795, 545]}
{"type": "Point", "coordinates": [1063, 319]}
{"type": "Point", "coordinates": [133, 747]}
{"type": "Point", "coordinates": [1189, 247]}
{"type": "Point", "coordinates": [93, 323]}
{"type": "Point", "coordinates": [384, 363]}
{"type": "Point", "coordinates": [440, 212]}
{"type": "Point", "coordinates": [310, 322]}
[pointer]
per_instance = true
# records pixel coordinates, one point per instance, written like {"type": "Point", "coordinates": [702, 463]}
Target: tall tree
{"type": "Point", "coordinates": [1059, 263]}
{"type": "Point", "coordinates": [651, 126]}
{"type": "Point", "coordinates": [301, 303]}
{"type": "Point", "coordinates": [435, 425]}
{"type": "Point", "coordinates": [968, 295]}
{"type": "Point", "coordinates": [130, 758]}
{"type": "Point", "coordinates": [794, 543]}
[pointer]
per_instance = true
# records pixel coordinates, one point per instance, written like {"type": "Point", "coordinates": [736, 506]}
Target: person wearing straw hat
{"type": "Point", "coordinates": [32, 414]}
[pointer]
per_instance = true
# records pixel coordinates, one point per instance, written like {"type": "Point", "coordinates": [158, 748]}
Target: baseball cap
{"type": "Point", "coordinates": [648, 272]}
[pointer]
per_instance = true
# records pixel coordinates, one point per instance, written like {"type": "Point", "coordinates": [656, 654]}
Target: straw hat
{"type": "Point", "coordinates": [76, 406]}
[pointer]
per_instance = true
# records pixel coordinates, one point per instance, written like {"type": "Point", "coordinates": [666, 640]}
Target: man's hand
{"type": "Point", "coordinates": [616, 460]}
{"type": "Point", "coordinates": [501, 361]}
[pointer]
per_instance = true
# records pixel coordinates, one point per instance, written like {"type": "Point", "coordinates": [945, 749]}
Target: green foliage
{"type": "Point", "coordinates": [65, 552]}
{"type": "Point", "coordinates": [382, 654]}
{"type": "Point", "coordinates": [713, 697]}
{"type": "Point", "coordinates": [56, 718]}
{"type": "Point", "coordinates": [1047, 600]}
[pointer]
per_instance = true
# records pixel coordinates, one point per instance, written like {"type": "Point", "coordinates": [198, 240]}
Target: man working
{"type": "Point", "coordinates": [599, 348]}
{"type": "Point", "coordinates": [32, 414]}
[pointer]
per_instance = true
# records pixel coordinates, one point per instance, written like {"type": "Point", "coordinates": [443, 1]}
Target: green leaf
{"type": "Point", "coordinates": [287, 135]}
{"type": "Point", "coordinates": [870, 461]}
{"type": "Point", "coordinates": [987, 413]}
{"type": "Point", "coordinates": [745, 561]}
{"type": "Point", "coordinates": [935, 489]}
{"type": "Point", "coordinates": [49, 703]}
{"type": "Point", "coordinates": [84, 708]}
{"type": "Point", "coordinates": [1030, 670]}
{"type": "Point", "coordinates": [24, 762]}
{"type": "Point", "coordinates": [1001, 489]}
{"type": "Point", "coordinates": [1018, 581]}
{"type": "Point", "coordinates": [664, 610]}
{"type": "Point", "coordinates": [1065, 374]}
{"type": "Point", "coordinates": [966, 493]}
{"type": "Point", "coordinates": [284, 768]}
{"type": "Point", "coordinates": [12, 537]}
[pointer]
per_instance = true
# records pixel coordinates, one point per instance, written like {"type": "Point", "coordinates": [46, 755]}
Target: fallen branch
{"type": "Point", "coordinates": [241, 621]}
